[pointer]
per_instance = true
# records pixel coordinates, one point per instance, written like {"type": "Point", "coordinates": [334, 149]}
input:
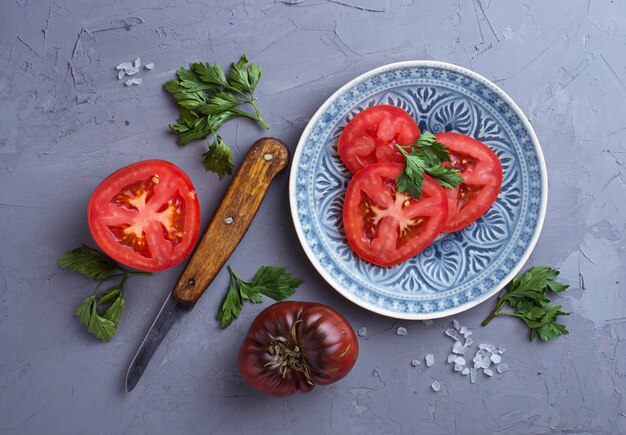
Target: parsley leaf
{"type": "Point", "coordinates": [88, 262]}
{"type": "Point", "coordinates": [426, 155]}
{"type": "Point", "coordinates": [273, 282]}
{"type": "Point", "coordinates": [527, 295]}
{"type": "Point", "coordinates": [218, 158]}
{"type": "Point", "coordinates": [231, 305]}
{"type": "Point", "coordinates": [96, 323]}
{"type": "Point", "coordinates": [207, 97]}
{"type": "Point", "coordinates": [100, 314]}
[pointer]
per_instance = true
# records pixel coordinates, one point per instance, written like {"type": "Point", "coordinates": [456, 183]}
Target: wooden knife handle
{"type": "Point", "coordinates": [266, 158]}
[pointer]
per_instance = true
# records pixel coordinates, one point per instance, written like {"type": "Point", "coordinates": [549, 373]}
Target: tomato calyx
{"type": "Point", "coordinates": [289, 355]}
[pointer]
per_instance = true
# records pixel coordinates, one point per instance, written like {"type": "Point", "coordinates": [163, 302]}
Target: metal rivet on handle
{"type": "Point", "coordinates": [229, 220]}
{"type": "Point", "coordinates": [191, 282]}
{"type": "Point", "coordinates": [268, 157]}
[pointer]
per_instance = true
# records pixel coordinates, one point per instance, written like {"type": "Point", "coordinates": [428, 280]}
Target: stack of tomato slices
{"type": "Point", "coordinates": [385, 226]}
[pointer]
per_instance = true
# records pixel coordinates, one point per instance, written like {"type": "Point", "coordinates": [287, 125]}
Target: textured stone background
{"type": "Point", "coordinates": [66, 122]}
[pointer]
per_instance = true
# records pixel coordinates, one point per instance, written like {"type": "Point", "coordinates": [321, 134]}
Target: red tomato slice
{"type": "Point", "coordinates": [372, 135]}
{"type": "Point", "coordinates": [482, 179]}
{"type": "Point", "coordinates": [387, 227]}
{"type": "Point", "coordinates": [145, 215]}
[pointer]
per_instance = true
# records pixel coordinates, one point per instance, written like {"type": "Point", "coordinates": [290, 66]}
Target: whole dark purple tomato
{"type": "Point", "coordinates": [292, 346]}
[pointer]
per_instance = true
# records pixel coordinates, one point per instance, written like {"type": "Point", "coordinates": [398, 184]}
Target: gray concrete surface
{"type": "Point", "coordinates": [66, 122]}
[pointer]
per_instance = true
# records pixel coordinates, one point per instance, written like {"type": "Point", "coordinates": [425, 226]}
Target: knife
{"type": "Point", "coordinates": [266, 158]}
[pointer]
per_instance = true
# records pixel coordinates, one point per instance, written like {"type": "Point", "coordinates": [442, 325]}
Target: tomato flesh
{"type": "Point", "coordinates": [372, 135]}
{"type": "Point", "coordinates": [386, 227]}
{"type": "Point", "coordinates": [146, 215]}
{"type": "Point", "coordinates": [481, 170]}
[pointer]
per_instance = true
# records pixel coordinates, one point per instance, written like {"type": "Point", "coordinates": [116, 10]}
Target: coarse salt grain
{"type": "Point", "coordinates": [401, 331]}
{"type": "Point", "coordinates": [458, 348]}
{"type": "Point", "coordinates": [453, 334]}
{"type": "Point", "coordinates": [362, 331]}
{"type": "Point", "coordinates": [436, 386]}
{"type": "Point", "coordinates": [131, 71]}
{"type": "Point", "coordinates": [502, 368]}
{"type": "Point", "coordinates": [430, 360]}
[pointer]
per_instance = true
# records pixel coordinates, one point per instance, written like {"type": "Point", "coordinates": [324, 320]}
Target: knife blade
{"type": "Point", "coordinates": [266, 158]}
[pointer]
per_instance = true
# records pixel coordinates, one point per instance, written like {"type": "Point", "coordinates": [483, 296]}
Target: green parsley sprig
{"type": "Point", "coordinates": [99, 313]}
{"type": "Point", "coordinates": [206, 99]}
{"type": "Point", "coordinates": [527, 295]}
{"type": "Point", "coordinates": [426, 156]}
{"type": "Point", "coordinates": [273, 282]}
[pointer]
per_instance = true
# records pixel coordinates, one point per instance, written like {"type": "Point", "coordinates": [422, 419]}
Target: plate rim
{"type": "Point", "coordinates": [314, 260]}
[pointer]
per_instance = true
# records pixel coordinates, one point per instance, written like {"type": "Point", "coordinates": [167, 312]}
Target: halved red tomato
{"type": "Point", "coordinates": [145, 215]}
{"type": "Point", "coordinates": [385, 226]}
{"type": "Point", "coordinates": [372, 135]}
{"type": "Point", "coordinates": [482, 179]}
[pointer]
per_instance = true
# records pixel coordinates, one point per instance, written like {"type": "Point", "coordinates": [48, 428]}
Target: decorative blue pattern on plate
{"type": "Point", "coordinates": [461, 269]}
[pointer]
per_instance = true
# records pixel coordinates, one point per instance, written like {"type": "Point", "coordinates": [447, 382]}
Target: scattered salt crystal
{"type": "Point", "coordinates": [495, 358]}
{"type": "Point", "coordinates": [467, 333]}
{"type": "Point", "coordinates": [455, 323]}
{"type": "Point", "coordinates": [128, 82]}
{"type": "Point", "coordinates": [131, 71]}
{"type": "Point", "coordinates": [436, 386]}
{"type": "Point", "coordinates": [362, 331]}
{"type": "Point", "coordinates": [472, 373]}
{"type": "Point", "coordinates": [468, 342]}
{"type": "Point", "coordinates": [502, 368]}
{"type": "Point", "coordinates": [488, 372]}
{"type": "Point", "coordinates": [137, 63]}
{"type": "Point", "coordinates": [401, 331]}
{"type": "Point", "coordinates": [458, 368]}
{"type": "Point", "coordinates": [415, 363]}
{"type": "Point", "coordinates": [120, 74]}
{"type": "Point", "coordinates": [453, 334]}
{"type": "Point", "coordinates": [149, 65]}
{"type": "Point", "coordinates": [451, 358]}
{"type": "Point", "coordinates": [487, 347]}
{"type": "Point", "coordinates": [460, 360]}
{"type": "Point", "coordinates": [430, 360]}
{"type": "Point", "coordinates": [465, 371]}
{"type": "Point", "coordinates": [463, 330]}
{"type": "Point", "coordinates": [137, 81]}
{"type": "Point", "coordinates": [486, 362]}
{"type": "Point", "coordinates": [124, 65]}
{"type": "Point", "coordinates": [501, 349]}
{"type": "Point", "coordinates": [458, 348]}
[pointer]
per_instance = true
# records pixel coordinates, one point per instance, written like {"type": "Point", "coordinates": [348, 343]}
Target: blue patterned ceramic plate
{"type": "Point", "coordinates": [459, 270]}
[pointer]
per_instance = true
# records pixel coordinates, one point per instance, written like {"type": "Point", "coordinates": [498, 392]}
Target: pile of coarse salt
{"type": "Point", "coordinates": [486, 354]}
{"type": "Point", "coordinates": [483, 358]}
{"type": "Point", "coordinates": [130, 69]}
